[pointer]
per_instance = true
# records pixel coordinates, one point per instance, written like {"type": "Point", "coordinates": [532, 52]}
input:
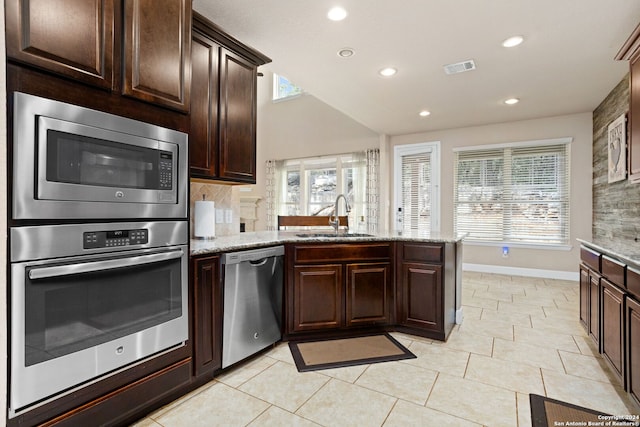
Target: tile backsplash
{"type": "Point", "coordinates": [224, 197]}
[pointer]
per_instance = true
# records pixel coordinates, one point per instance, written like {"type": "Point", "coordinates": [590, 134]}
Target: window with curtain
{"type": "Point", "coordinates": [516, 193]}
{"type": "Point", "coordinates": [310, 186]}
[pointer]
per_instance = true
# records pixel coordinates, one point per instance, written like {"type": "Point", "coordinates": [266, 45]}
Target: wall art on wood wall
{"type": "Point", "coordinates": [617, 149]}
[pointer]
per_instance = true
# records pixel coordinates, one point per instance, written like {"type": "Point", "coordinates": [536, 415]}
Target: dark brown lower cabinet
{"type": "Point", "coordinates": [594, 308]}
{"type": "Point", "coordinates": [332, 288]}
{"type": "Point", "coordinates": [368, 293]}
{"type": "Point", "coordinates": [421, 292]}
{"type": "Point", "coordinates": [317, 296]}
{"type": "Point", "coordinates": [207, 316]}
{"type": "Point", "coordinates": [612, 338]}
{"type": "Point", "coordinates": [585, 288]}
{"type": "Point", "coordinates": [423, 307]}
{"type": "Point", "coordinates": [119, 399]}
{"type": "Point", "coordinates": [632, 342]}
{"type": "Point", "coordinates": [123, 406]}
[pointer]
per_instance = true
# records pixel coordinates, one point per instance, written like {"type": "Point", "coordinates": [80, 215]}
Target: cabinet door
{"type": "Point", "coordinates": [157, 52]}
{"type": "Point", "coordinates": [203, 136]}
{"type": "Point", "coordinates": [368, 294]}
{"type": "Point", "coordinates": [73, 38]}
{"type": "Point", "coordinates": [594, 308]}
{"type": "Point", "coordinates": [421, 289]}
{"type": "Point", "coordinates": [613, 327]}
{"type": "Point", "coordinates": [634, 120]}
{"type": "Point", "coordinates": [207, 330]}
{"type": "Point", "coordinates": [633, 348]}
{"type": "Point", "coordinates": [584, 297]}
{"type": "Point", "coordinates": [237, 143]}
{"type": "Point", "coordinates": [317, 294]}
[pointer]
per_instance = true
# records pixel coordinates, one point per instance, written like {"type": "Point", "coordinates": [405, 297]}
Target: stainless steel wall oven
{"type": "Point", "coordinates": [71, 162]}
{"type": "Point", "coordinates": [98, 247]}
{"type": "Point", "coordinates": [89, 299]}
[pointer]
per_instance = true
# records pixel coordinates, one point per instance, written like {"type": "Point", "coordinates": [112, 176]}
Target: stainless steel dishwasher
{"type": "Point", "coordinates": [253, 288]}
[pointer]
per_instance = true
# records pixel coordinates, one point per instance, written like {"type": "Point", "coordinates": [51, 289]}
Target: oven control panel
{"type": "Point", "coordinates": [115, 238]}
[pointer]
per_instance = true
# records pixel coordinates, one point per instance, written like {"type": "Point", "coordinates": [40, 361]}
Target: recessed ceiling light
{"type": "Point", "coordinates": [337, 14]}
{"type": "Point", "coordinates": [513, 41]}
{"type": "Point", "coordinates": [346, 52]}
{"type": "Point", "coordinates": [511, 101]}
{"type": "Point", "coordinates": [425, 113]}
{"type": "Point", "coordinates": [388, 72]}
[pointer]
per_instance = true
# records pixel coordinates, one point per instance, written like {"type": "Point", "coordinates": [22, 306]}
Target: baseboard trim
{"type": "Point", "coordinates": [519, 271]}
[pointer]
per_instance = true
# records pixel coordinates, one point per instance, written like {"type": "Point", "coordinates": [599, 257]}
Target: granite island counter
{"type": "Point", "coordinates": [351, 283]}
{"type": "Point", "coordinates": [260, 239]}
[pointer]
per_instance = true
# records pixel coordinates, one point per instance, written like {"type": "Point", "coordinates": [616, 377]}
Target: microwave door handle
{"type": "Point", "coordinates": [89, 267]}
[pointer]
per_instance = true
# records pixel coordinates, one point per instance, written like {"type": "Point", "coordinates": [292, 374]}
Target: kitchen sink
{"type": "Point", "coordinates": [334, 235]}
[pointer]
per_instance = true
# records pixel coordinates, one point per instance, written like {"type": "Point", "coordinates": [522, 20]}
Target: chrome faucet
{"type": "Point", "coordinates": [335, 222]}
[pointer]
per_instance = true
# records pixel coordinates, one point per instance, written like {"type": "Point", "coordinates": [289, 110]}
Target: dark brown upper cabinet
{"type": "Point", "coordinates": [82, 39]}
{"type": "Point", "coordinates": [630, 51]}
{"type": "Point", "coordinates": [157, 52]}
{"type": "Point", "coordinates": [222, 140]}
{"type": "Point", "coordinates": [237, 143]}
{"type": "Point", "coordinates": [203, 134]}
{"type": "Point", "coordinates": [73, 38]}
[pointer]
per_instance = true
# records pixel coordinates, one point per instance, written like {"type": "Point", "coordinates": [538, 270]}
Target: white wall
{"type": "Point", "coordinates": [577, 126]}
{"type": "Point", "coordinates": [306, 127]}
{"type": "Point", "coordinates": [301, 127]}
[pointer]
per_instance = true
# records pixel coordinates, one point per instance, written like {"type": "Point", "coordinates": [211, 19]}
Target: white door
{"type": "Point", "coordinates": [417, 187]}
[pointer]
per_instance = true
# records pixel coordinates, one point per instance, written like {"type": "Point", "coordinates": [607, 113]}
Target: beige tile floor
{"type": "Point", "coordinates": [519, 336]}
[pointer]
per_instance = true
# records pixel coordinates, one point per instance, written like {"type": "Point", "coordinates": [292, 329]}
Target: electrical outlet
{"type": "Point", "coordinates": [228, 216]}
{"type": "Point", "coordinates": [219, 216]}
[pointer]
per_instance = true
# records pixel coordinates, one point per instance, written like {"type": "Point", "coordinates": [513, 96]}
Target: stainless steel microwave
{"type": "Point", "coordinates": [71, 162]}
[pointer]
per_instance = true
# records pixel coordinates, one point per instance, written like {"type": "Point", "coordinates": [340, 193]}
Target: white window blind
{"type": "Point", "coordinates": [517, 194]}
{"type": "Point", "coordinates": [416, 191]}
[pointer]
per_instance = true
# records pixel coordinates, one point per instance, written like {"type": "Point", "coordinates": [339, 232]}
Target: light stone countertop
{"type": "Point", "coordinates": [612, 251]}
{"type": "Point", "coordinates": [261, 239]}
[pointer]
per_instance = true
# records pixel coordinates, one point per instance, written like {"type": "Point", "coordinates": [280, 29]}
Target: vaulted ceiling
{"type": "Point", "coordinates": [565, 64]}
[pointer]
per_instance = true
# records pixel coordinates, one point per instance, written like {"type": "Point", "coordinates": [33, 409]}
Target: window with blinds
{"type": "Point", "coordinates": [513, 194]}
{"type": "Point", "coordinates": [416, 191]}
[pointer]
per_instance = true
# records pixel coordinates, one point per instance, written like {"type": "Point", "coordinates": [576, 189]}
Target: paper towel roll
{"type": "Point", "coordinates": [204, 219]}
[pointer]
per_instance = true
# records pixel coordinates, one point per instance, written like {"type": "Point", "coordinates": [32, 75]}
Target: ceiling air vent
{"type": "Point", "coordinates": [460, 67]}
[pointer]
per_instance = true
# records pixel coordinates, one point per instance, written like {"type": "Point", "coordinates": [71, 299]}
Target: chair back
{"type": "Point", "coordinates": [309, 221]}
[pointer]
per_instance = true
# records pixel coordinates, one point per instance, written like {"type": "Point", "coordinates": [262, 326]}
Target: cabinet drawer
{"type": "Point", "coordinates": [341, 252]}
{"type": "Point", "coordinates": [422, 252]}
{"type": "Point", "coordinates": [590, 258]}
{"type": "Point", "coordinates": [129, 402]}
{"type": "Point", "coordinates": [614, 270]}
{"type": "Point", "coordinates": [633, 281]}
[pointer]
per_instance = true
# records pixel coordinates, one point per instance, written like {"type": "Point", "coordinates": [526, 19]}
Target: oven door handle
{"type": "Point", "coordinates": [89, 267]}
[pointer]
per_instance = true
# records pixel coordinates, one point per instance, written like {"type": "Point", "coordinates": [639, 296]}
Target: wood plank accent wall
{"type": "Point", "coordinates": [616, 206]}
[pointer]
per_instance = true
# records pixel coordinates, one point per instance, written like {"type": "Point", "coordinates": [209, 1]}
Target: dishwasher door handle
{"type": "Point", "coordinates": [260, 262]}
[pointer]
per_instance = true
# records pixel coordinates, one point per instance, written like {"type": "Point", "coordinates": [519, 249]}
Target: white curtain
{"type": "Point", "coordinates": [373, 190]}
{"type": "Point", "coordinates": [273, 190]}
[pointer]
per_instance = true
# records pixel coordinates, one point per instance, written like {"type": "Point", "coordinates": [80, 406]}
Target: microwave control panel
{"type": "Point", "coordinates": [109, 239]}
{"type": "Point", "coordinates": [165, 168]}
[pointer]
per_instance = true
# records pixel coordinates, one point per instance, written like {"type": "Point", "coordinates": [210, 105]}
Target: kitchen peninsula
{"type": "Point", "coordinates": [342, 284]}
{"type": "Point", "coordinates": [610, 307]}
